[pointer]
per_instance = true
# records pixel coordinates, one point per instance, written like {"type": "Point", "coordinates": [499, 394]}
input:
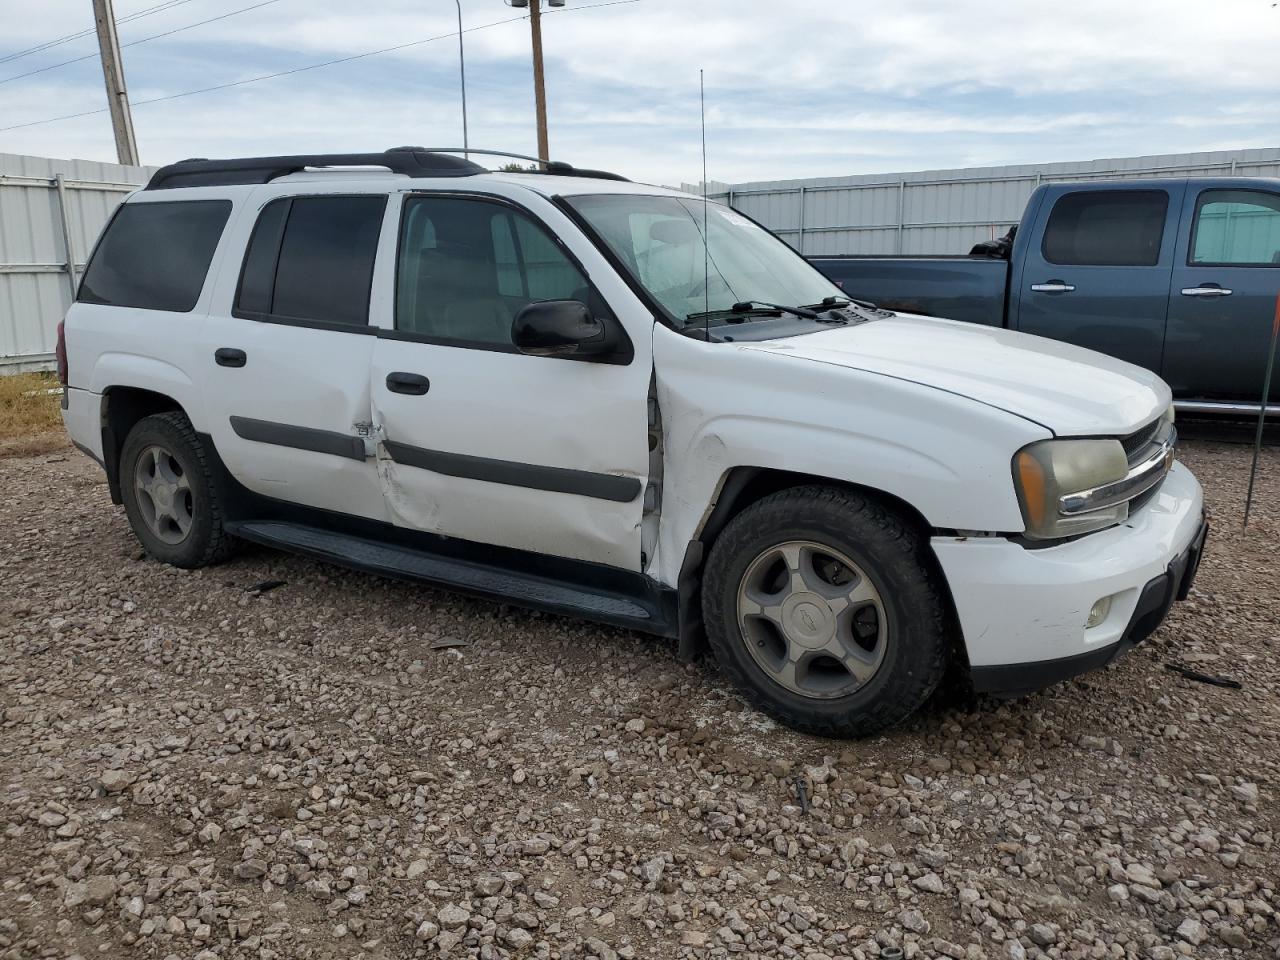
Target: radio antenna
{"type": "Point", "coordinates": [706, 237]}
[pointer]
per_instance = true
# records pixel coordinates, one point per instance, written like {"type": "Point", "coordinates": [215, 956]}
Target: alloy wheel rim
{"type": "Point", "coordinates": [812, 619]}
{"type": "Point", "coordinates": [164, 495]}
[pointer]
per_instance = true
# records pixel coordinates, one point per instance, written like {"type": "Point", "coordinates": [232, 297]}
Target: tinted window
{"type": "Point", "coordinates": [155, 255]}
{"type": "Point", "coordinates": [1237, 227]}
{"type": "Point", "coordinates": [1111, 229]}
{"type": "Point", "coordinates": [311, 258]}
{"type": "Point", "coordinates": [467, 267]}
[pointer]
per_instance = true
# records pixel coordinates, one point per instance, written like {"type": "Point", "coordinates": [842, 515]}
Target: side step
{"type": "Point", "coordinates": [464, 576]}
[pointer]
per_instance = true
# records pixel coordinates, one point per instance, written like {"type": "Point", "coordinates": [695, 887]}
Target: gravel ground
{"type": "Point", "coordinates": [345, 766]}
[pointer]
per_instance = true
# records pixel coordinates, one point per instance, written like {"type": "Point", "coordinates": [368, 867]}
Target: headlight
{"type": "Point", "coordinates": [1045, 472]}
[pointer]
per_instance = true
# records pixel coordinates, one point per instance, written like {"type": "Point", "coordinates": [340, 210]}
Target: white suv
{"type": "Point", "coordinates": [619, 402]}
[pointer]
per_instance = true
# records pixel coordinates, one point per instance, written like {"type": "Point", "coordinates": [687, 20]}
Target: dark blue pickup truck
{"type": "Point", "coordinates": [1178, 276]}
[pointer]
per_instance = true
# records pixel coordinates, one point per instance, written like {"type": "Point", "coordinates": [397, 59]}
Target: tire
{"type": "Point", "coordinates": [866, 660]}
{"type": "Point", "coordinates": [180, 521]}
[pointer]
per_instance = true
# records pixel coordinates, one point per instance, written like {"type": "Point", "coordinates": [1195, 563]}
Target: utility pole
{"type": "Point", "coordinates": [539, 93]}
{"type": "Point", "coordinates": [113, 73]}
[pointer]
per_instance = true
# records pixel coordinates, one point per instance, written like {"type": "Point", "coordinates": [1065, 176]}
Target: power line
{"type": "Point", "coordinates": [158, 8]}
{"type": "Point", "coordinates": [134, 43]}
{"type": "Point", "coordinates": [312, 66]}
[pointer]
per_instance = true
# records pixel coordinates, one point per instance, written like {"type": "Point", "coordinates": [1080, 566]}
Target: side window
{"type": "Point", "coordinates": [466, 268]}
{"type": "Point", "coordinates": [311, 258]}
{"type": "Point", "coordinates": [155, 255]}
{"type": "Point", "coordinates": [1114, 228]}
{"type": "Point", "coordinates": [1240, 227]}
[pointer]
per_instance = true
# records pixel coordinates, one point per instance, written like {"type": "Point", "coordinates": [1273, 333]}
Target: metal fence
{"type": "Point", "coordinates": [51, 211]}
{"type": "Point", "coordinates": [945, 211]}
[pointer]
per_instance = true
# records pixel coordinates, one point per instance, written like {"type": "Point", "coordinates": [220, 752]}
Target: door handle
{"type": "Point", "coordinates": [1207, 290]}
{"type": "Point", "coordinates": [230, 357]}
{"type": "Point", "coordinates": [1052, 286]}
{"type": "Point", "coordinates": [413, 384]}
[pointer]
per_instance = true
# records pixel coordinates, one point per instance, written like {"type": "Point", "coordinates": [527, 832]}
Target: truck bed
{"type": "Point", "coordinates": [960, 287]}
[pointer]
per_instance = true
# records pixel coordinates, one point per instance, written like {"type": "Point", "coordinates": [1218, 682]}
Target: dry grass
{"type": "Point", "coordinates": [29, 417]}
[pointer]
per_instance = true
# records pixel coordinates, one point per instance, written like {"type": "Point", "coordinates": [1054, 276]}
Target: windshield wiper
{"type": "Point", "coordinates": [746, 306]}
{"type": "Point", "coordinates": [733, 314]}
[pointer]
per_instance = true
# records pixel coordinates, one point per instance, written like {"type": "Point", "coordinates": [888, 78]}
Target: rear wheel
{"type": "Point", "coordinates": [826, 609]}
{"type": "Point", "coordinates": [170, 494]}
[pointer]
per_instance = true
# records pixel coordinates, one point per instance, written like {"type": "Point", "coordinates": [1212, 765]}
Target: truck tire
{"type": "Point", "coordinates": [826, 609]}
{"type": "Point", "coordinates": [171, 495]}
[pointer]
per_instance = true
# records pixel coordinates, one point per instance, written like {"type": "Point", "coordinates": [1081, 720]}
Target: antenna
{"type": "Point", "coordinates": [706, 237]}
{"type": "Point", "coordinates": [1262, 412]}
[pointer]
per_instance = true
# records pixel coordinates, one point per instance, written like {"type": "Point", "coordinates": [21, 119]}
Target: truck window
{"type": "Point", "coordinates": [155, 256]}
{"type": "Point", "coordinates": [1119, 228]}
{"type": "Point", "coordinates": [1236, 227]}
{"type": "Point", "coordinates": [311, 259]}
{"type": "Point", "coordinates": [466, 268]}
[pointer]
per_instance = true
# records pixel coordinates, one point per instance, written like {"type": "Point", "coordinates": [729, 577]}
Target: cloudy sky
{"type": "Point", "coordinates": [796, 88]}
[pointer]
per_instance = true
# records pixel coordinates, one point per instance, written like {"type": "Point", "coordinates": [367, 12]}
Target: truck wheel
{"type": "Point", "coordinates": [827, 611]}
{"type": "Point", "coordinates": [170, 494]}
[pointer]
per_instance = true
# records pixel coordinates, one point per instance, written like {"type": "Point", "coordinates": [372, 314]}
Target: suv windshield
{"type": "Point", "coordinates": [661, 241]}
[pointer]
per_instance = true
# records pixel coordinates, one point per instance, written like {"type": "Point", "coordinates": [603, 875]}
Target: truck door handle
{"type": "Point", "coordinates": [230, 357]}
{"type": "Point", "coordinates": [1206, 290]}
{"type": "Point", "coordinates": [1052, 286]}
{"type": "Point", "coordinates": [411, 383]}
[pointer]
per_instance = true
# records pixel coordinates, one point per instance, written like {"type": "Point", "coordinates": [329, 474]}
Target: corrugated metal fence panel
{"type": "Point", "coordinates": [35, 286]}
{"type": "Point", "coordinates": [946, 211]}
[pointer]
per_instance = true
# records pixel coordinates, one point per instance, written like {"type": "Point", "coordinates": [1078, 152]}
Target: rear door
{"type": "Point", "coordinates": [481, 442]}
{"type": "Point", "coordinates": [1224, 294]}
{"type": "Point", "coordinates": [287, 348]}
{"type": "Point", "coordinates": [1097, 271]}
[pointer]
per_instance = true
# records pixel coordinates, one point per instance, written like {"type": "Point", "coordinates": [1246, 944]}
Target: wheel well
{"type": "Point", "coordinates": [741, 487]}
{"type": "Point", "coordinates": [122, 407]}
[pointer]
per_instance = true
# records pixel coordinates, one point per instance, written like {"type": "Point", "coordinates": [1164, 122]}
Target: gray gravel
{"type": "Point", "coordinates": [353, 767]}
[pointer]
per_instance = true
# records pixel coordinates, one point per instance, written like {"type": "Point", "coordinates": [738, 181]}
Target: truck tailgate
{"type": "Point", "coordinates": [961, 288]}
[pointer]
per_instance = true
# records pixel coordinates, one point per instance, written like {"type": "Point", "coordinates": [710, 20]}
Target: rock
{"type": "Point", "coordinates": [426, 931]}
{"type": "Point", "coordinates": [415, 869]}
{"type": "Point", "coordinates": [913, 920]}
{"type": "Point", "coordinates": [1192, 931]}
{"type": "Point", "coordinates": [1042, 934]}
{"type": "Point", "coordinates": [1232, 936]}
{"type": "Point", "coordinates": [536, 846]}
{"type": "Point", "coordinates": [929, 883]}
{"type": "Point", "coordinates": [114, 781]}
{"type": "Point", "coordinates": [693, 938]}
{"type": "Point", "coordinates": [100, 890]}
{"type": "Point", "coordinates": [652, 869]}
{"type": "Point", "coordinates": [1139, 874]}
{"type": "Point", "coordinates": [1014, 950]}
{"type": "Point", "coordinates": [451, 915]}
{"type": "Point", "coordinates": [489, 886]}
{"type": "Point", "coordinates": [517, 938]}
{"type": "Point", "coordinates": [1118, 893]}
{"type": "Point", "coordinates": [635, 726]}
{"type": "Point", "coordinates": [250, 869]}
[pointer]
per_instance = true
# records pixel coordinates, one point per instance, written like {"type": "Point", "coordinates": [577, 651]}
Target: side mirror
{"type": "Point", "coordinates": [559, 328]}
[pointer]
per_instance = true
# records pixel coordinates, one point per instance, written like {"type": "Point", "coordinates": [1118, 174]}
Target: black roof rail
{"type": "Point", "coordinates": [410, 161]}
{"type": "Point", "coordinates": [555, 168]}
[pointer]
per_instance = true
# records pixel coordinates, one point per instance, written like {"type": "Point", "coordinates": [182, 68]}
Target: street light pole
{"type": "Point", "coordinates": [539, 92]}
{"type": "Point", "coordinates": [462, 70]}
{"type": "Point", "coordinates": [113, 73]}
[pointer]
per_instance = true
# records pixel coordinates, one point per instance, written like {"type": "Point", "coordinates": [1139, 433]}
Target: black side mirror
{"type": "Point", "coordinates": [559, 328]}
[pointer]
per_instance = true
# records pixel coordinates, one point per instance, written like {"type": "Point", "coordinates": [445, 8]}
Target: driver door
{"type": "Point", "coordinates": [480, 442]}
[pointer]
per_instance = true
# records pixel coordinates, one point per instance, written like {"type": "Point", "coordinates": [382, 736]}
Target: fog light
{"type": "Point", "coordinates": [1098, 613]}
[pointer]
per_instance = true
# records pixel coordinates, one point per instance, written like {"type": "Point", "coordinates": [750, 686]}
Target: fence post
{"type": "Point", "coordinates": [800, 239]}
{"type": "Point", "coordinates": [68, 244]}
{"type": "Point", "coordinates": [902, 213]}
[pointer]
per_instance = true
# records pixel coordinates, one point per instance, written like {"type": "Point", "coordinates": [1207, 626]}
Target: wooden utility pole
{"type": "Point", "coordinates": [539, 93]}
{"type": "Point", "coordinates": [113, 73]}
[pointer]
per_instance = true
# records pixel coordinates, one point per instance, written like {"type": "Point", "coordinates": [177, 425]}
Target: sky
{"type": "Point", "coordinates": [793, 89]}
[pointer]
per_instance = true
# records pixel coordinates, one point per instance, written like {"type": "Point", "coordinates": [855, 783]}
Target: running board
{"type": "Point", "coordinates": [464, 576]}
{"type": "Point", "coordinates": [1233, 409]}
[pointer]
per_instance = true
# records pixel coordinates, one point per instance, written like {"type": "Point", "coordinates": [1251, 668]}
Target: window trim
{"type": "Point", "coordinates": [367, 328]}
{"type": "Point", "coordinates": [1195, 225]}
{"type": "Point", "coordinates": [625, 346]}
{"type": "Point", "coordinates": [1044, 235]}
{"type": "Point", "coordinates": [97, 245]}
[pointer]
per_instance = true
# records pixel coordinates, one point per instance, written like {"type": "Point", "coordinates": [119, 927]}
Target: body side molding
{"type": "Point", "coordinates": [299, 438]}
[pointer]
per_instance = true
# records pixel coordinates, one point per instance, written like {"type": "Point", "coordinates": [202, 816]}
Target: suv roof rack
{"type": "Point", "coordinates": [410, 161]}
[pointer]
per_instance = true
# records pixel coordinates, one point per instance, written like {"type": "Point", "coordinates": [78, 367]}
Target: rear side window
{"type": "Point", "coordinates": [155, 256]}
{"type": "Point", "coordinates": [1107, 228]}
{"type": "Point", "coordinates": [1237, 228]}
{"type": "Point", "coordinates": [311, 259]}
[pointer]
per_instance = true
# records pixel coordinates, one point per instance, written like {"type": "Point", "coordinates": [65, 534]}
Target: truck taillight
{"type": "Point", "coordinates": [60, 352]}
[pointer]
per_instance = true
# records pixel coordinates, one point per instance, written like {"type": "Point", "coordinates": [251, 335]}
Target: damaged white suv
{"type": "Point", "coordinates": [613, 401]}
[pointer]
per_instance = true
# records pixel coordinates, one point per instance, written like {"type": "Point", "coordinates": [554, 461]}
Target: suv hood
{"type": "Point", "coordinates": [1069, 390]}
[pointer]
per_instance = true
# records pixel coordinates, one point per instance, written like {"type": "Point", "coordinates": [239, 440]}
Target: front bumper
{"type": "Point", "coordinates": [1023, 611]}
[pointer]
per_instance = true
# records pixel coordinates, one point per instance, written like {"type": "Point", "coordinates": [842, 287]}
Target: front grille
{"type": "Point", "coordinates": [1137, 443]}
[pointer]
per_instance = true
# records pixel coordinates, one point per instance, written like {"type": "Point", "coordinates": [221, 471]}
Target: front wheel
{"type": "Point", "coordinates": [827, 611]}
